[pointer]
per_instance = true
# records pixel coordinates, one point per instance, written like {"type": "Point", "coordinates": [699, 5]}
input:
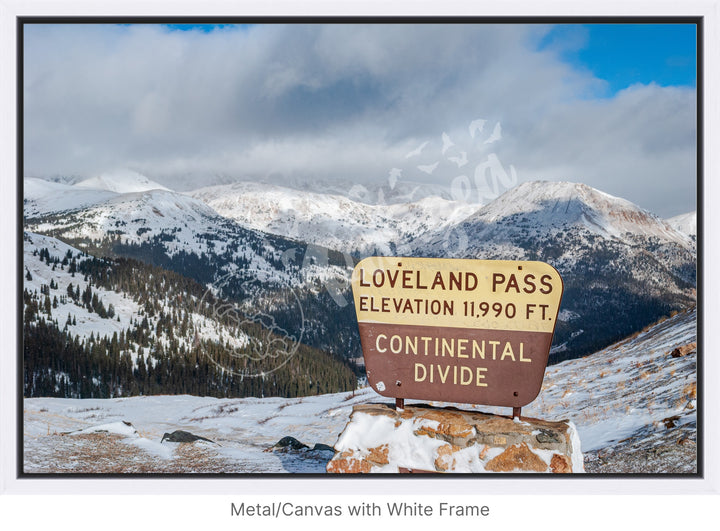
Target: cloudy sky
{"type": "Point", "coordinates": [475, 108]}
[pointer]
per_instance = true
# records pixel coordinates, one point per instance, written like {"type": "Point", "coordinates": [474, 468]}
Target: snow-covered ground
{"type": "Point", "coordinates": [242, 428]}
{"type": "Point", "coordinates": [629, 401]}
{"type": "Point", "coordinates": [626, 388]}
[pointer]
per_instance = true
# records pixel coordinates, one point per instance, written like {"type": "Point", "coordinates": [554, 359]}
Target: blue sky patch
{"type": "Point", "coordinates": [626, 54]}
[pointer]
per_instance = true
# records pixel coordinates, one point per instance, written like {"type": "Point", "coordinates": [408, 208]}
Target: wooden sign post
{"type": "Point", "coordinates": [467, 331]}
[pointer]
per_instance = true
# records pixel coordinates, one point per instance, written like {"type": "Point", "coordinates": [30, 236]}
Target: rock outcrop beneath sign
{"type": "Point", "coordinates": [419, 438]}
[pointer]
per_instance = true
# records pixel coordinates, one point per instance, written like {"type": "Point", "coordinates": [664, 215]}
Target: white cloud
{"type": "Point", "coordinates": [344, 101]}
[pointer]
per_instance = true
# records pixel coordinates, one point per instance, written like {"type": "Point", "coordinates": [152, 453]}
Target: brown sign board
{"type": "Point", "coordinates": [466, 331]}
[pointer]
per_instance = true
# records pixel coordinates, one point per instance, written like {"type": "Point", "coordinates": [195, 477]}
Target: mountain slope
{"type": "Point", "coordinates": [43, 197]}
{"type": "Point", "coordinates": [540, 207]}
{"type": "Point", "coordinates": [401, 190]}
{"type": "Point", "coordinates": [330, 220]}
{"type": "Point", "coordinates": [160, 225]}
{"type": "Point", "coordinates": [622, 267]}
{"type": "Point", "coordinates": [630, 388]}
{"type": "Point", "coordinates": [102, 328]}
{"type": "Point", "coordinates": [182, 234]}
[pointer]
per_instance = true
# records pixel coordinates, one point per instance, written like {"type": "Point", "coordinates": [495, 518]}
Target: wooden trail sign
{"type": "Point", "coordinates": [467, 331]}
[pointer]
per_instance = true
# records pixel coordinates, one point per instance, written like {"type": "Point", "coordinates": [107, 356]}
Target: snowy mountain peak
{"type": "Point", "coordinates": [685, 223]}
{"type": "Point", "coordinates": [557, 196]}
{"type": "Point", "coordinates": [563, 204]}
{"type": "Point", "coordinates": [121, 182]}
{"type": "Point", "coordinates": [43, 197]}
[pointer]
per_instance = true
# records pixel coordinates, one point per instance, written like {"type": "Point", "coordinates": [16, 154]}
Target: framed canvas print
{"type": "Point", "coordinates": [360, 249]}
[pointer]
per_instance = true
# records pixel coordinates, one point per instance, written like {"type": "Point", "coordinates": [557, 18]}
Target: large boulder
{"type": "Point", "coordinates": [379, 438]}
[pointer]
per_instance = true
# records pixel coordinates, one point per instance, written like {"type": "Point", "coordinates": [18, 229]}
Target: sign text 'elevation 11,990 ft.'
{"type": "Point", "coordinates": [468, 331]}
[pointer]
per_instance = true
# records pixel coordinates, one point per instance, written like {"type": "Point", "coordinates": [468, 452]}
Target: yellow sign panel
{"type": "Point", "coordinates": [488, 294]}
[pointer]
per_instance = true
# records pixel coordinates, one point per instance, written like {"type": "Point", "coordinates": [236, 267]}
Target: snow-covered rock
{"type": "Point", "coordinates": [380, 439]}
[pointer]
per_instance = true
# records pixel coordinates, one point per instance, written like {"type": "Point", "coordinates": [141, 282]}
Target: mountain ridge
{"type": "Point", "coordinates": [623, 266]}
{"type": "Point", "coordinates": [567, 203]}
{"type": "Point", "coordinates": [329, 219]}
